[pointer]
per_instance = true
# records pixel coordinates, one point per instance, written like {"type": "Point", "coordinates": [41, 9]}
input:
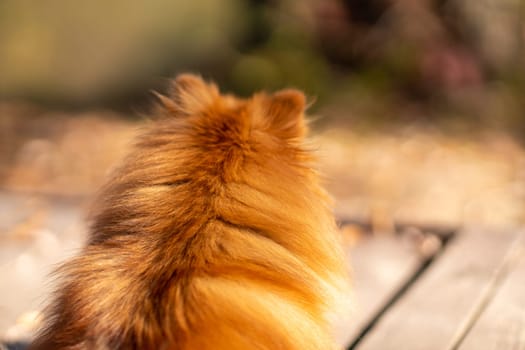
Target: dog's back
{"type": "Point", "coordinates": [213, 234]}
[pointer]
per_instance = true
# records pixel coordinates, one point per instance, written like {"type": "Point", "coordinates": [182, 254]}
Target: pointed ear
{"type": "Point", "coordinates": [188, 94]}
{"type": "Point", "coordinates": [285, 111]}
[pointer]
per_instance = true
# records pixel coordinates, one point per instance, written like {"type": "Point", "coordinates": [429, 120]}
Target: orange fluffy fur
{"type": "Point", "coordinates": [214, 234]}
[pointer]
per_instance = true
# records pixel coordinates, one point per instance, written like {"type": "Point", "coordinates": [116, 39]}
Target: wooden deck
{"type": "Point", "coordinates": [415, 288]}
{"type": "Point", "coordinates": [470, 295]}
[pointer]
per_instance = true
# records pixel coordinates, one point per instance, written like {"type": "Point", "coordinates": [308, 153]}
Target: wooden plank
{"type": "Point", "coordinates": [380, 266]}
{"type": "Point", "coordinates": [502, 324]}
{"type": "Point", "coordinates": [37, 233]}
{"type": "Point", "coordinates": [431, 313]}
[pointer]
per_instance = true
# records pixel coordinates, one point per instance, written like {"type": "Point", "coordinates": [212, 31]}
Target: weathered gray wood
{"type": "Point", "coordinates": [502, 324]}
{"type": "Point", "coordinates": [443, 302]}
{"type": "Point", "coordinates": [380, 265]}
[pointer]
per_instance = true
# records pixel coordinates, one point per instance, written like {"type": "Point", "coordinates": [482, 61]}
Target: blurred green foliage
{"type": "Point", "coordinates": [92, 51]}
{"type": "Point", "coordinates": [374, 60]}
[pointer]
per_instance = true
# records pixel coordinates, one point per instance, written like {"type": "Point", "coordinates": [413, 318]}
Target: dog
{"type": "Point", "coordinates": [214, 233]}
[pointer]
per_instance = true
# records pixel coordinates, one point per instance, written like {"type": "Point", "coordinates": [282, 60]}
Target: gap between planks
{"type": "Point", "coordinates": [446, 236]}
{"type": "Point", "coordinates": [498, 277]}
{"type": "Point", "coordinates": [438, 310]}
{"type": "Point", "coordinates": [502, 323]}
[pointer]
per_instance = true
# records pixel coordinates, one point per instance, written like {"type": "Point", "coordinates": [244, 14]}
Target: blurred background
{"type": "Point", "coordinates": [419, 106]}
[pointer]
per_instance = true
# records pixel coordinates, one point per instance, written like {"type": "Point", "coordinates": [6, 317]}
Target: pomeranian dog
{"type": "Point", "coordinates": [214, 233]}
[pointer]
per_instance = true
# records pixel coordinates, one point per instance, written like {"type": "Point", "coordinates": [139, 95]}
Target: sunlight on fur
{"type": "Point", "coordinates": [214, 233]}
